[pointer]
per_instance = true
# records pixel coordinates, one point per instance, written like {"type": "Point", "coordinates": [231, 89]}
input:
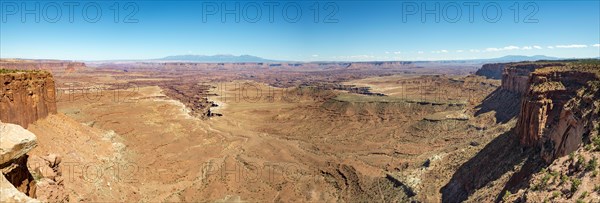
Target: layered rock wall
{"type": "Point", "coordinates": [50, 66]}
{"type": "Point", "coordinates": [515, 76]}
{"type": "Point", "coordinates": [545, 101]}
{"type": "Point", "coordinates": [557, 109]}
{"type": "Point", "coordinates": [26, 96]}
{"type": "Point", "coordinates": [515, 79]}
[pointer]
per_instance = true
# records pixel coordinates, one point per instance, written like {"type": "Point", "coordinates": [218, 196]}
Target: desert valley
{"type": "Point", "coordinates": [422, 131]}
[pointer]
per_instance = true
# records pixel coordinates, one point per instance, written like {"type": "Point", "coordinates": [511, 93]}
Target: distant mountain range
{"type": "Point", "coordinates": [226, 58]}
{"type": "Point", "coordinates": [515, 58]}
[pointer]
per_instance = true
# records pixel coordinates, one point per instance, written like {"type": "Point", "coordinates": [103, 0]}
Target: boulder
{"type": "Point", "coordinates": [53, 159]}
{"type": "Point", "coordinates": [40, 167]}
{"type": "Point", "coordinates": [11, 194]}
{"type": "Point", "coordinates": [15, 141]}
{"type": "Point", "coordinates": [48, 190]}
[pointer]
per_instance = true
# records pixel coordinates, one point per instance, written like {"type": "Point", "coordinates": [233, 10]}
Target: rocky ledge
{"type": "Point", "coordinates": [27, 178]}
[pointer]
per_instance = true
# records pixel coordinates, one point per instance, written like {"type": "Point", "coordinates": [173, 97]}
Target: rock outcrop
{"type": "Point", "coordinates": [557, 109]}
{"type": "Point", "coordinates": [574, 124]}
{"type": "Point", "coordinates": [560, 105]}
{"type": "Point", "coordinates": [11, 194]}
{"type": "Point", "coordinates": [193, 96]}
{"type": "Point", "coordinates": [15, 182]}
{"type": "Point", "coordinates": [54, 66]}
{"type": "Point", "coordinates": [515, 76]}
{"type": "Point", "coordinates": [26, 96]}
{"type": "Point", "coordinates": [27, 177]}
{"type": "Point", "coordinates": [383, 108]}
{"type": "Point", "coordinates": [515, 79]}
{"type": "Point", "coordinates": [15, 142]}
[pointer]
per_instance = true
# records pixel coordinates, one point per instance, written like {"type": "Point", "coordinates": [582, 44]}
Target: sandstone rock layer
{"type": "Point", "coordinates": [14, 142]}
{"type": "Point", "coordinates": [558, 106]}
{"type": "Point", "coordinates": [26, 97]}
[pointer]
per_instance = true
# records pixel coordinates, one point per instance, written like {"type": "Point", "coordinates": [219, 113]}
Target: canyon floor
{"type": "Point", "coordinates": [270, 144]}
{"type": "Point", "coordinates": [151, 134]}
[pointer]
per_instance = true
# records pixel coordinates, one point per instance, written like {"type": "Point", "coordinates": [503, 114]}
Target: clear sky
{"type": "Point", "coordinates": [340, 30]}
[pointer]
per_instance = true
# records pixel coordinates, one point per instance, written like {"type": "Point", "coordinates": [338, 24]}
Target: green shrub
{"type": "Point", "coordinates": [571, 156]}
{"type": "Point", "coordinates": [554, 175]}
{"type": "Point", "coordinates": [544, 182]}
{"type": "Point", "coordinates": [563, 179]}
{"type": "Point", "coordinates": [555, 194]}
{"type": "Point", "coordinates": [588, 147]}
{"type": "Point", "coordinates": [596, 141]}
{"type": "Point", "coordinates": [575, 184]}
{"type": "Point", "coordinates": [583, 195]}
{"type": "Point", "coordinates": [506, 195]}
{"type": "Point", "coordinates": [592, 164]}
{"type": "Point", "coordinates": [580, 160]}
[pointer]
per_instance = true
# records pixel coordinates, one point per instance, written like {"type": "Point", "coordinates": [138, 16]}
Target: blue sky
{"type": "Point", "coordinates": [342, 31]}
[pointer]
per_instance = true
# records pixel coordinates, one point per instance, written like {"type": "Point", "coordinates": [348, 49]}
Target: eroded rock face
{"type": "Point", "coordinates": [574, 124]}
{"type": "Point", "coordinates": [26, 177]}
{"type": "Point", "coordinates": [515, 79]}
{"type": "Point", "coordinates": [515, 76]}
{"type": "Point", "coordinates": [11, 194]}
{"type": "Point", "coordinates": [544, 103]}
{"type": "Point", "coordinates": [15, 142]}
{"type": "Point", "coordinates": [49, 186]}
{"type": "Point", "coordinates": [48, 65]}
{"type": "Point", "coordinates": [355, 187]}
{"type": "Point", "coordinates": [557, 110]}
{"type": "Point", "coordinates": [26, 97]}
{"type": "Point", "coordinates": [193, 96]}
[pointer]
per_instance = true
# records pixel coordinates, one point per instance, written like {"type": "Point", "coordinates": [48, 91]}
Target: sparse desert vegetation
{"type": "Point", "coordinates": [334, 136]}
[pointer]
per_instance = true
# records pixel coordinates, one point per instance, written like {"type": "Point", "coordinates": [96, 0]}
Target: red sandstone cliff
{"type": "Point", "coordinates": [53, 66]}
{"type": "Point", "coordinates": [515, 76]}
{"type": "Point", "coordinates": [560, 108]}
{"type": "Point", "coordinates": [557, 109]}
{"type": "Point", "coordinates": [575, 122]}
{"type": "Point", "coordinates": [26, 97]}
{"type": "Point", "coordinates": [515, 79]}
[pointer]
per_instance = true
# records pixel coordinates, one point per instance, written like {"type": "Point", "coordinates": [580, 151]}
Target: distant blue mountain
{"type": "Point", "coordinates": [228, 58]}
{"type": "Point", "coordinates": [516, 58]}
{"type": "Point", "coordinates": [216, 58]}
{"type": "Point", "coordinates": [505, 59]}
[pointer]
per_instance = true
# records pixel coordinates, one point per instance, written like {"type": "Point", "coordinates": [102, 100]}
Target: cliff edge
{"type": "Point", "coordinates": [26, 96]}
